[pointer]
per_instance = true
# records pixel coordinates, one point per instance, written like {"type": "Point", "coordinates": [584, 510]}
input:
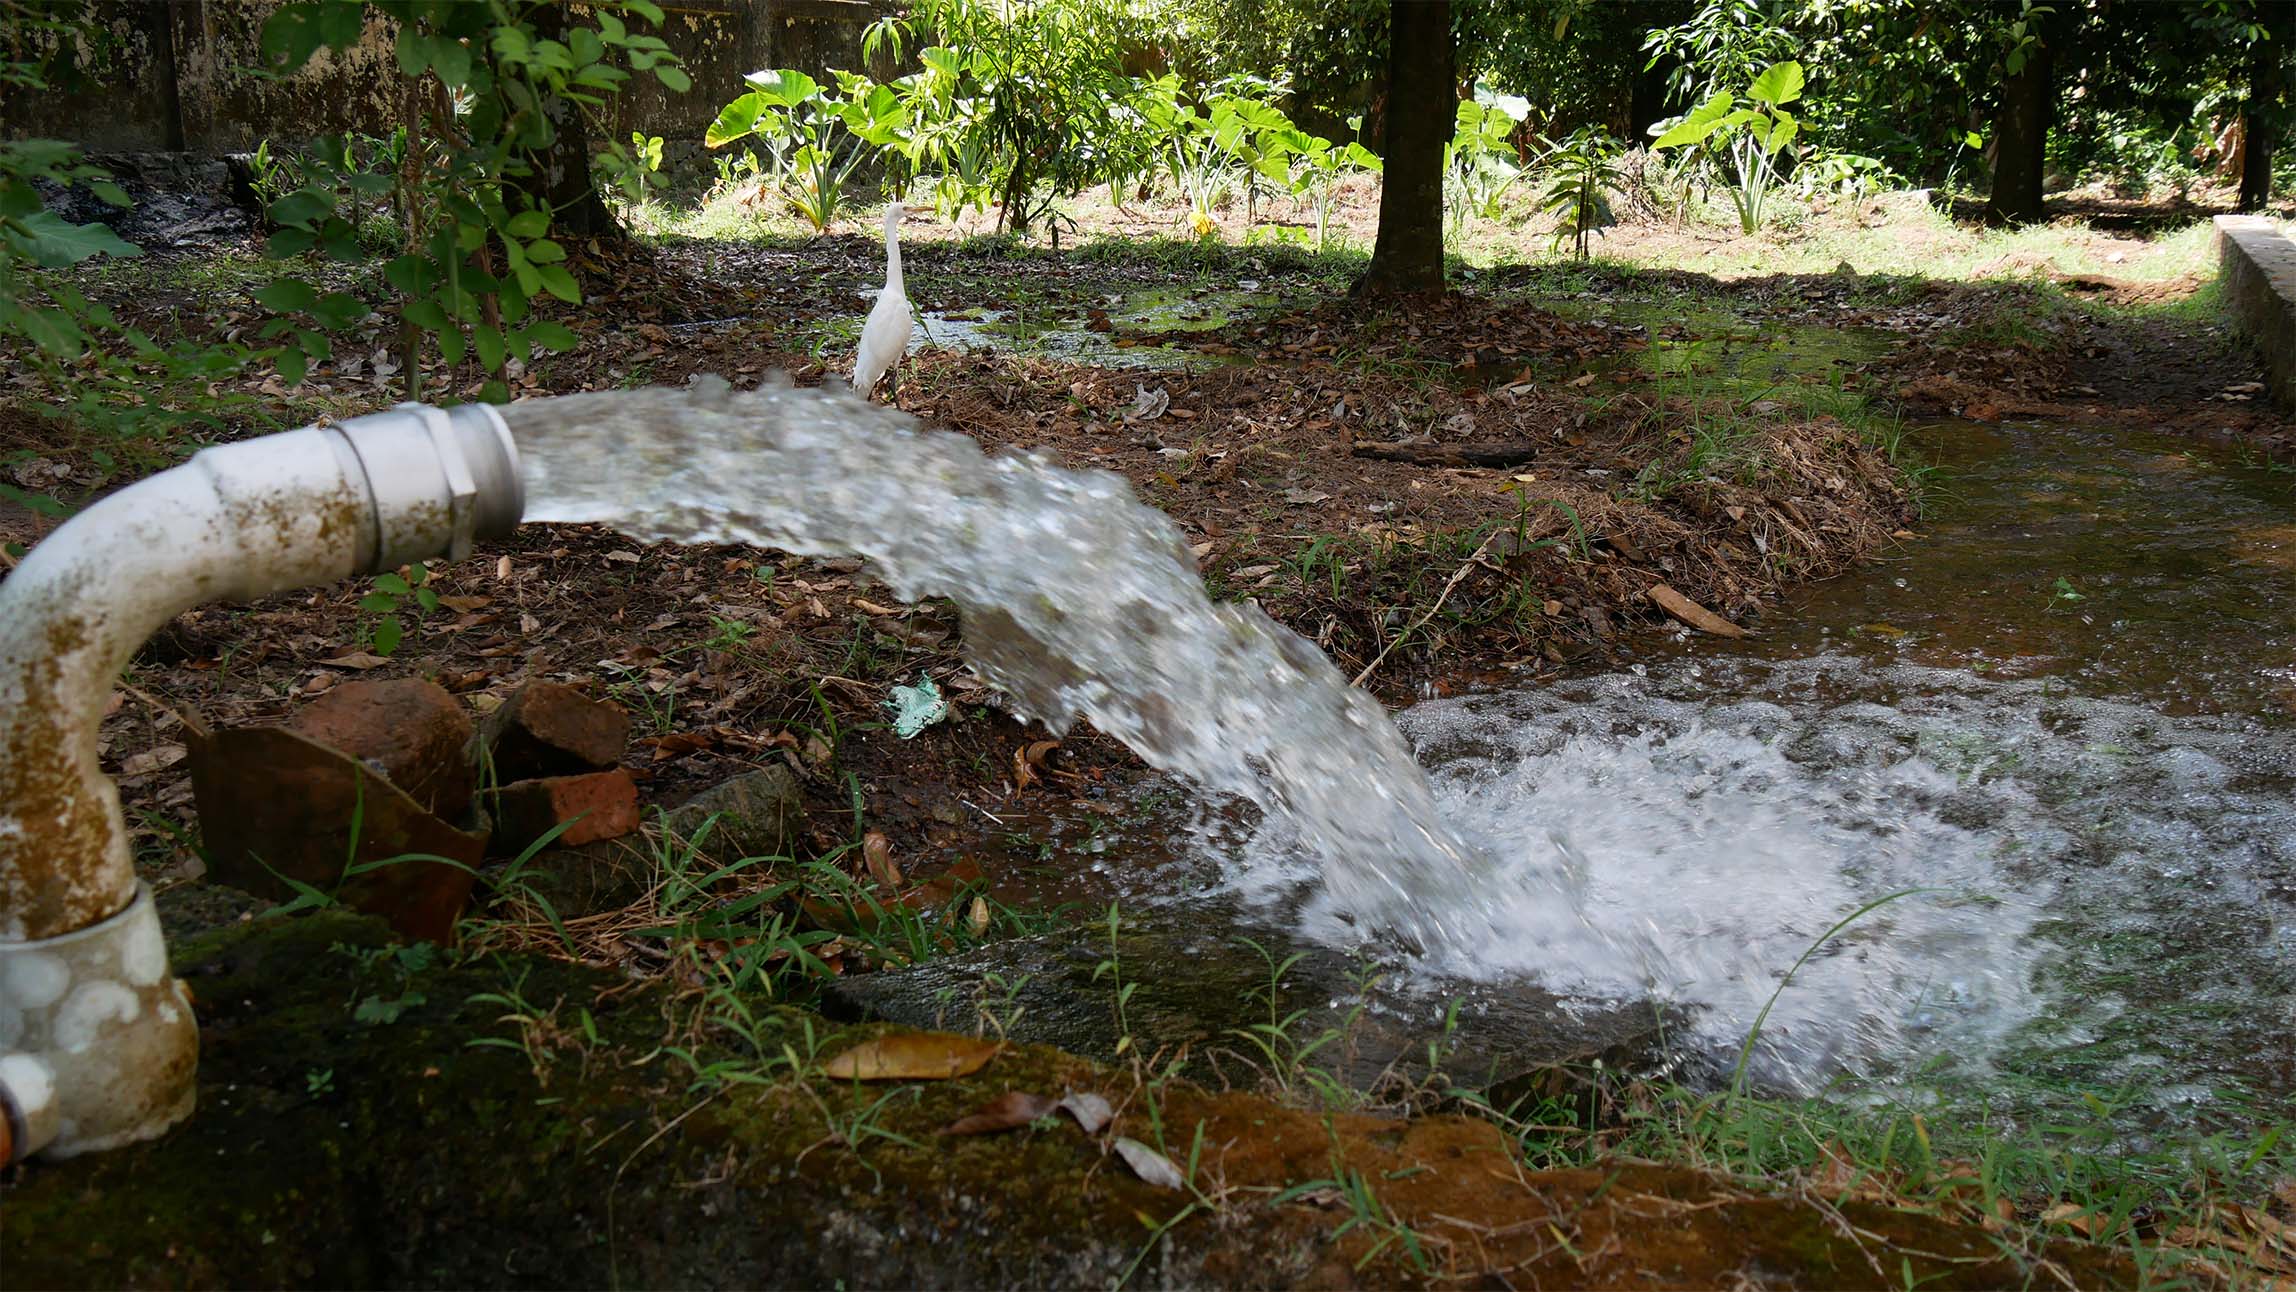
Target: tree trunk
{"type": "Point", "coordinates": [2021, 141]}
{"type": "Point", "coordinates": [1422, 111]}
{"type": "Point", "coordinates": [2262, 117]}
{"type": "Point", "coordinates": [561, 175]}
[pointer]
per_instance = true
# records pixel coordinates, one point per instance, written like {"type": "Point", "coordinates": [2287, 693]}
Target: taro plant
{"type": "Point", "coordinates": [808, 163]}
{"type": "Point", "coordinates": [1583, 172]}
{"type": "Point", "coordinates": [1479, 162]}
{"type": "Point", "coordinates": [1746, 135]}
{"type": "Point", "coordinates": [1318, 166]}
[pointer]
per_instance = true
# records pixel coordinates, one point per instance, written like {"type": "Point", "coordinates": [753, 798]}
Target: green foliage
{"type": "Point", "coordinates": [1744, 132]}
{"type": "Point", "coordinates": [1720, 48]}
{"type": "Point", "coordinates": [395, 600]}
{"type": "Point", "coordinates": [1479, 164]}
{"type": "Point", "coordinates": [86, 364]}
{"type": "Point", "coordinates": [638, 176]}
{"type": "Point", "coordinates": [798, 121]}
{"type": "Point", "coordinates": [1582, 174]}
{"type": "Point", "coordinates": [1025, 103]}
{"type": "Point", "coordinates": [476, 256]}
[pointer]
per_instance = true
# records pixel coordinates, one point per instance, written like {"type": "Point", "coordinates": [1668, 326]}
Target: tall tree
{"type": "Point", "coordinates": [2021, 121]}
{"type": "Point", "coordinates": [2264, 116]}
{"type": "Point", "coordinates": [1422, 112]}
{"type": "Point", "coordinates": [561, 178]}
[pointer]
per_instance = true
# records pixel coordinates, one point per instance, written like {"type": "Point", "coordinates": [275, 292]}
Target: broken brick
{"type": "Point", "coordinates": [552, 729]}
{"type": "Point", "coordinates": [601, 805]}
{"type": "Point", "coordinates": [409, 731]}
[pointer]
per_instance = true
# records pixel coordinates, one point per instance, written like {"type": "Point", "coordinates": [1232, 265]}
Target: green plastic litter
{"type": "Point", "coordinates": [916, 707]}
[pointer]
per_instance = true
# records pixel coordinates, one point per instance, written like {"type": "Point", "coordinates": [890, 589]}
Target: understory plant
{"type": "Point", "coordinates": [487, 84]}
{"type": "Point", "coordinates": [1583, 173]}
{"type": "Point", "coordinates": [1746, 135]}
{"type": "Point", "coordinates": [1479, 164]}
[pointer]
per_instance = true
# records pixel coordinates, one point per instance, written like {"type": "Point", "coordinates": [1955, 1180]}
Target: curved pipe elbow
{"type": "Point", "coordinates": [236, 522]}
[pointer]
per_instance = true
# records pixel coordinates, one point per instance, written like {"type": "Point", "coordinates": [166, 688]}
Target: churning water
{"type": "Point", "coordinates": [2059, 724]}
{"type": "Point", "coordinates": [1078, 600]}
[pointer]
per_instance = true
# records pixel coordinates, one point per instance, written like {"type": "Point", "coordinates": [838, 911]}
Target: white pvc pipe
{"type": "Point", "coordinates": [236, 522]}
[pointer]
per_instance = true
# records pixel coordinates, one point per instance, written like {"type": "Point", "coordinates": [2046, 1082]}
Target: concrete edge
{"type": "Point", "coordinates": [2256, 262]}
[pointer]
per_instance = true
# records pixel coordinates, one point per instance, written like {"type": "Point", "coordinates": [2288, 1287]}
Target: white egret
{"type": "Point", "coordinates": [885, 337]}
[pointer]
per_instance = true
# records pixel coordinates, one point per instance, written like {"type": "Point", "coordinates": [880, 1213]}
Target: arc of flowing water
{"type": "Point", "coordinates": [1078, 600]}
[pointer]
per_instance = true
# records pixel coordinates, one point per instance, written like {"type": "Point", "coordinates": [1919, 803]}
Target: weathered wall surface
{"type": "Point", "coordinates": [150, 75]}
{"type": "Point", "coordinates": [2258, 270]}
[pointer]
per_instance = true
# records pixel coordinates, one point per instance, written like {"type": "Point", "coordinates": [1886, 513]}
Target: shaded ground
{"type": "Point", "coordinates": [596, 1135]}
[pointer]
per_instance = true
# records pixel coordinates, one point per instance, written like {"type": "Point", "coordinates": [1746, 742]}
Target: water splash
{"type": "Point", "coordinates": [2116, 886]}
{"type": "Point", "coordinates": [1078, 600]}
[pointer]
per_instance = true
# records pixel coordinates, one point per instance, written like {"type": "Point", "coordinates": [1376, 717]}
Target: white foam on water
{"type": "Point", "coordinates": [2106, 879]}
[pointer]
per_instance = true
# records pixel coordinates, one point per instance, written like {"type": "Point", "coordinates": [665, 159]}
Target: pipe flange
{"type": "Point", "coordinates": [98, 1045]}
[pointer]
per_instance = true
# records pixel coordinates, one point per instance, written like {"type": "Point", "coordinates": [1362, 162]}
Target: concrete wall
{"type": "Point", "coordinates": [2257, 264]}
{"type": "Point", "coordinates": [154, 75]}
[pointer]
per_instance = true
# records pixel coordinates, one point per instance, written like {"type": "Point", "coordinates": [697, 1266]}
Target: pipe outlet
{"type": "Point", "coordinates": [236, 522]}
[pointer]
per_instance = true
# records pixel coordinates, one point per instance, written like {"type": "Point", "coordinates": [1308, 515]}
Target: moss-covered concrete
{"type": "Point", "coordinates": [339, 1145]}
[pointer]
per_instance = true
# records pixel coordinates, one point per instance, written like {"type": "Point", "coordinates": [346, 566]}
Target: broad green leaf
{"type": "Point", "coordinates": [342, 22]}
{"type": "Point", "coordinates": [1699, 123]}
{"type": "Point", "coordinates": [378, 603]}
{"type": "Point", "coordinates": [291, 35]}
{"type": "Point", "coordinates": [57, 242]}
{"type": "Point", "coordinates": [544, 252]}
{"type": "Point", "coordinates": [388, 633]}
{"type": "Point", "coordinates": [1779, 83]}
{"type": "Point", "coordinates": [554, 335]}
{"type": "Point", "coordinates": [286, 295]}
{"type": "Point", "coordinates": [735, 120]}
{"type": "Point", "coordinates": [786, 86]}
{"type": "Point", "coordinates": [51, 330]}
{"type": "Point", "coordinates": [673, 79]}
{"type": "Point", "coordinates": [487, 342]}
{"type": "Point", "coordinates": [560, 284]}
{"type": "Point", "coordinates": [338, 310]}
{"type": "Point", "coordinates": [1783, 133]}
{"type": "Point", "coordinates": [292, 365]}
{"type": "Point", "coordinates": [300, 209]}
{"type": "Point", "coordinates": [528, 225]}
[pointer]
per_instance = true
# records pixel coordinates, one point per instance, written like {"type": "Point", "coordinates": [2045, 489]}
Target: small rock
{"type": "Point", "coordinates": [551, 729]}
{"type": "Point", "coordinates": [409, 731]}
{"type": "Point", "coordinates": [603, 876]}
{"type": "Point", "coordinates": [758, 814]}
{"type": "Point", "coordinates": [601, 805]}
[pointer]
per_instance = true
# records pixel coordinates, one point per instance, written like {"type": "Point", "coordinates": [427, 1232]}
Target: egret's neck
{"type": "Point", "coordinates": [892, 252]}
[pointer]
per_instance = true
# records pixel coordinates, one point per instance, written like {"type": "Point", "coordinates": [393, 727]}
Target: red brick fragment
{"type": "Point", "coordinates": [552, 729]}
{"type": "Point", "coordinates": [601, 805]}
{"type": "Point", "coordinates": [410, 731]}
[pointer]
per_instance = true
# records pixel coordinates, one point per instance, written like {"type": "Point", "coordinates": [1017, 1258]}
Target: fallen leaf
{"type": "Point", "coordinates": [871, 607]}
{"type": "Point", "coordinates": [623, 555]}
{"type": "Point", "coordinates": [977, 917]}
{"type": "Point", "coordinates": [1008, 1111]}
{"type": "Point", "coordinates": [1029, 761]}
{"type": "Point", "coordinates": [1090, 1110]}
{"type": "Point", "coordinates": [502, 569]}
{"type": "Point", "coordinates": [466, 604]}
{"type": "Point", "coordinates": [912, 1056]}
{"type": "Point", "coordinates": [356, 659]}
{"type": "Point", "coordinates": [877, 855]}
{"type": "Point", "coordinates": [1585, 380]}
{"type": "Point", "coordinates": [1693, 614]}
{"type": "Point", "coordinates": [1148, 405]}
{"type": "Point", "coordinates": [152, 760]}
{"type": "Point", "coordinates": [1149, 1164]}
